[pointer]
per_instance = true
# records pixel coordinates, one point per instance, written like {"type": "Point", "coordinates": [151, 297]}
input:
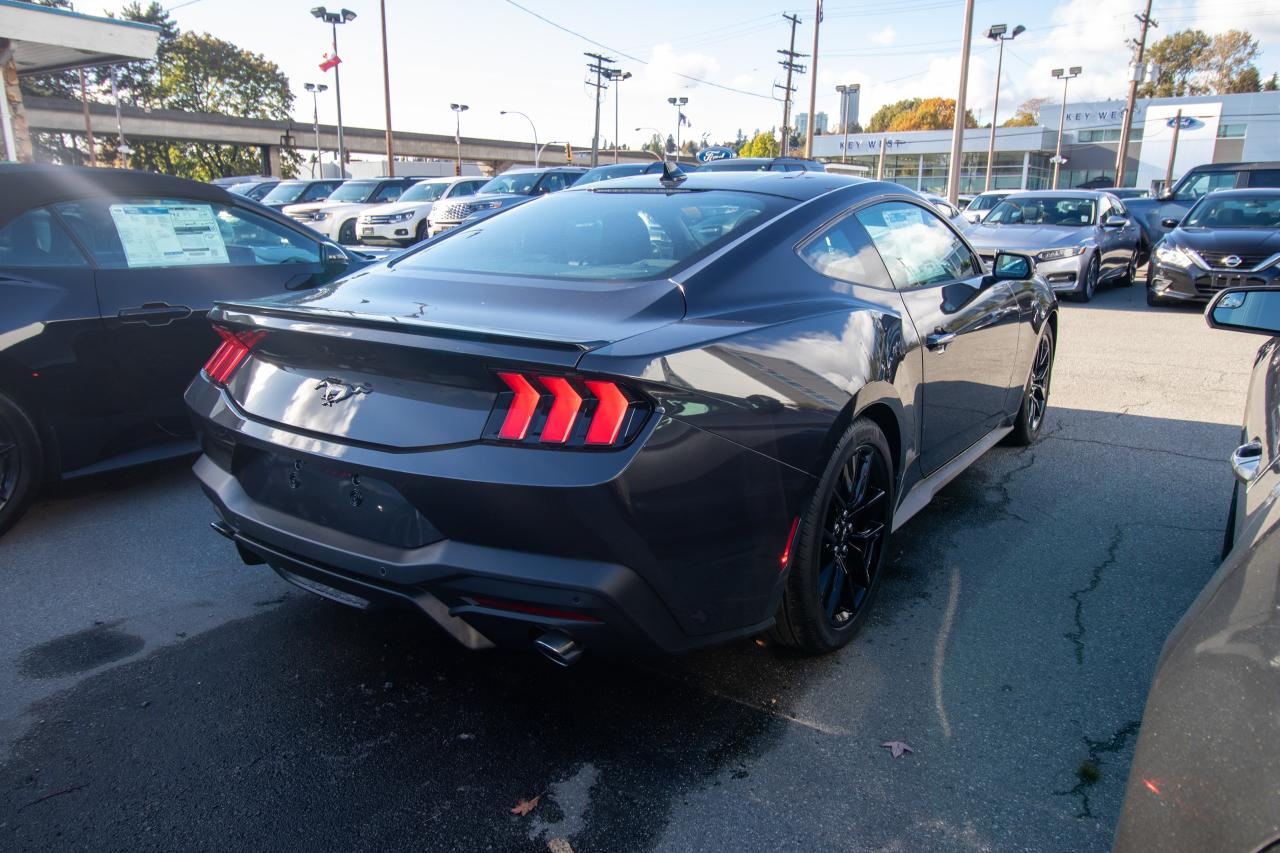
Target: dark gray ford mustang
{"type": "Point", "coordinates": [653, 413]}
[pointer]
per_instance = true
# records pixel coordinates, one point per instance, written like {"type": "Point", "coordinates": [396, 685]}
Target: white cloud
{"type": "Point", "coordinates": [884, 37]}
{"type": "Point", "coordinates": [669, 70]}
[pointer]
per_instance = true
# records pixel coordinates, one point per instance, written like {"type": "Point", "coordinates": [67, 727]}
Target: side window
{"type": "Point", "coordinates": [155, 233]}
{"type": "Point", "coordinates": [1104, 209]}
{"type": "Point", "coordinates": [843, 250]}
{"type": "Point", "coordinates": [1203, 183]}
{"type": "Point", "coordinates": [1264, 178]}
{"type": "Point", "coordinates": [552, 182]}
{"type": "Point", "coordinates": [917, 247]}
{"type": "Point", "coordinates": [315, 192]}
{"type": "Point", "coordinates": [387, 192]}
{"type": "Point", "coordinates": [463, 188]}
{"type": "Point", "coordinates": [37, 239]}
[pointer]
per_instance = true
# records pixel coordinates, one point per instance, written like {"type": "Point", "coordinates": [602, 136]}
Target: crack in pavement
{"type": "Point", "coordinates": [1135, 447]}
{"type": "Point", "coordinates": [1091, 768]}
{"type": "Point", "coordinates": [1095, 577]}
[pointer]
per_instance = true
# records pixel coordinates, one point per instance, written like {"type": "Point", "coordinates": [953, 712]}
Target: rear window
{"type": "Point", "coordinates": [601, 235]}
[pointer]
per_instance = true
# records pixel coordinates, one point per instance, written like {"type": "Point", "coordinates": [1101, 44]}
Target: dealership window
{"type": "Point", "coordinates": [1232, 131]}
{"type": "Point", "coordinates": [1107, 134]}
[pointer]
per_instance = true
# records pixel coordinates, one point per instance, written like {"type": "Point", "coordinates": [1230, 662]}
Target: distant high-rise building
{"type": "Point", "coordinates": [802, 123]}
{"type": "Point", "coordinates": [819, 126]}
{"type": "Point", "coordinates": [849, 94]}
{"type": "Point", "coordinates": [820, 123]}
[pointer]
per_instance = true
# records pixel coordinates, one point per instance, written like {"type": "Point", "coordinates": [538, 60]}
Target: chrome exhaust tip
{"type": "Point", "coordinates": [559, 648]}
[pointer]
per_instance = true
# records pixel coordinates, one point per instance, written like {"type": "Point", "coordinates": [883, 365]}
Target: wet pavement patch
{"type": "Point", "coordinates": [79, 652]}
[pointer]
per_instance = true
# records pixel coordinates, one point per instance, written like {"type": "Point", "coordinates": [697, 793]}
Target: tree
{"type": "Point", "coordinates": [1027, 114]}
{"type": "Point", "coordinates": [763, 144]}
{"type": "Point", "coordinates": [1180, 57]}
{"type": "Point", "coordinates": [931, 114]}
{"type": "Point", "coordinates": [1272, 84]}
{"type": "Point", "coordinates": [654, 144]}
{"type": "Point", "coordinates": [670, 145]}
{"type": "Point", "coordinates": [1228, 63]}
{"type": "Point", "coordinates": [885, 116]}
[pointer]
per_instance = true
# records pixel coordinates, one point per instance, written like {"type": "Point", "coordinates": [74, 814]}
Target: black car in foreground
{"type": "Point", "coordinates": [1231, 238]}
{"type": "Point", "coordinates": [106, 278]}
{"type": "Point", "coordinates": [1207, 765]}
{"type": "Point", "coordinates": [653, 413]}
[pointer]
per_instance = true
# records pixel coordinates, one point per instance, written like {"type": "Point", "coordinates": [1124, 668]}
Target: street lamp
{"type": "Point", "coordinates": [657, 135]}
{"type": "Point", "coordinates": [616, 75]}
{"type": "Point", "coordinates": [458, 110]}
{"type": "Point", "coordinates": [342, 16]}
{"type": "Point", "coordinates": [538, 155]}
{"type": "Point", "coordinates": [1065, 76]}
{"type": "Point", "coordinates": [315, 89]}
{"type": "Point", "coordinates": [678, 103]}
{"type": "Point", "coordinates": [997, 33]}
{"type": "Point", "coordinates": [845, 113]}
{"type": "Point", "coordinates": [535, 131]}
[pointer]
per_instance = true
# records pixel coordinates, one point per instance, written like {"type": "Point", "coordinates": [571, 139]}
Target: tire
{"type": "Point", "coordinates": [1127, 278]}
{"type": "Point", "coordinates": [21, 462]}
{"type": "Point", "coordinates": [842, 541]}
{"type": "Point", "coordinates": [1153, 300]}
{"type": "Point", "coordinates": [421, 233]}
{"type": "Point", "coordinates": [1035, 394]}
{"type": "Point", "coordinates": [347, 233]}
{"type": "Point", "coordinates": [1089, 284]}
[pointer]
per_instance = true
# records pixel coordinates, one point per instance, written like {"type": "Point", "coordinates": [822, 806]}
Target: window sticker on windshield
{"type": "Point", "coordinates": [903, 217]}
{"type": "Point", "coordinates": [164, 235]}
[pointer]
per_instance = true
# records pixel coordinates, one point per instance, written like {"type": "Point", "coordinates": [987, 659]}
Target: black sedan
{"type": "Point", "coordinates": [1207, 766]}
{"type": "Point", "coordinates": [1230, 238]}
{"type": "Point", "coordinates": [657, 412]}
{"type": "Point", "coordinates": [106, 278]}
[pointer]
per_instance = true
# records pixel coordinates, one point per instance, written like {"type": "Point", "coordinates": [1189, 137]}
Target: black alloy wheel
{"type": "Point", "coordinates": [1089, 283]}
{"type": "Point", "coordinates": [20, 462]}
{"type": "Point", "coordinates": [842, 543]}
{"type": "Point", "coordinates": [347, 233]}
{"type": "Point", "coordinates": [1035, 399]}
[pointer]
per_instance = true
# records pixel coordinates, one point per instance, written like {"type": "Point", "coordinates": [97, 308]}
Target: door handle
{"type": "Point", "coordinates": [1245, 460]}
{"type": "Point", "coordinates": [154, 314]}
{"type": "Point", "coordinates": [938, 340]}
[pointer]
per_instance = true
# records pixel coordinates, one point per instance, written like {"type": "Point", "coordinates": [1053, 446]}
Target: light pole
{"type": "Point", "coordinates": [531, 127]}
{"type": "Point", "coordinates": [458, 110]}
{"type": "Point", "coordinates": [657, 134]}
{"type": "Point", "coordinates": [1065, 76]}
{"type": "Point", "coordinates": [678, 103]}
{"type": "Point", "coordinates": [616, 76]}
{"type": "Point", "coordinates": [845, 91]}
{"type": "Point", "coordinates": [538, 155]}
{"type": "Point", "coordinates": [997, 33]}
{"type": "Point", "coordinates": [315, 89]}
{"type": "Point", "coordinates": [342, 16]}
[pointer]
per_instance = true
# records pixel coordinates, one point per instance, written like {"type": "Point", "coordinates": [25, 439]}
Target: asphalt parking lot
{"type": "Point", "coordinates": [157, 694]}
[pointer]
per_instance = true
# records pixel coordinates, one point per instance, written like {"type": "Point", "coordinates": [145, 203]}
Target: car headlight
{"type": "Point", "coordinates": [1174, 256]}
{"type": "Point", "coordinates": [488, 205]}
{"type": "Point", "coordinates": [319, 216]}
{"type": "Point", "coordinates": [400, 217]}
{"type": "Point", "coordinates": [1059, 254]}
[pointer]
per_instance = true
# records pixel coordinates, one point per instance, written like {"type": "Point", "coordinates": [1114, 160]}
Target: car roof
{"type": "Point", "coordinates": [1269, 192]}
{"type": "Point", "coordinates": [28, 185]}
{"type": "Point", "coordinates": [540, 169]}
{"type": "Point", "coordinates": [1059, 193]}
{"type": "Point", "coordinates": [795, 185]}
{"type": "Point", "coordinates": [1236, 167]}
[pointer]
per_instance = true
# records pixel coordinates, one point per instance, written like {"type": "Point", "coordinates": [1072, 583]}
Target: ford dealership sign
{"type": "Point", "coordinates": [718, 152]}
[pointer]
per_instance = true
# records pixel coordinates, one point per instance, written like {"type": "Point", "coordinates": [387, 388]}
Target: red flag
{"type": "Point", "coordinates": [330, 62]}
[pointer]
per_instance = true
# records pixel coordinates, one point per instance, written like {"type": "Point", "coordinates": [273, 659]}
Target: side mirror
{"type": "Point", "coordinates": [1115, 222]}
{"type": "Point", "coordinates": [1009, 266]}
{"type": "Point", "coordinates": [1245, 309]}
{"type": "Point", "coordinates": [1165, 195]}
{"type": "Point", "coordinates": [1169, 223]}
{"type": "Point", "coordinates": [333, 257]}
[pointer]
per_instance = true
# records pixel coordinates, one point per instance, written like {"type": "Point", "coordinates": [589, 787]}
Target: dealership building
{"type": "Point", "coordinates": [1214, 129]}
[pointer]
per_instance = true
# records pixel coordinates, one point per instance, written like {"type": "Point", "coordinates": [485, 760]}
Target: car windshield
{"type": "Point", "coordinates": [519, 183]}
{"type": "Point", "coordinates": [1235, 212]}
{"type": "Point", "coordinates": [286, 192]}
{"type": "Point", "coordinates": [353, 191]}
{"type": "Point", "coordinates": [605, 173]}
{"type": "Point", "coordinates": [425, 191]}
{"type": "Point", "coordinates": [984, 202]}
{"type": "Point", "coordinates": [1051, 210]}
{"type": "Point", "coordinates": [603, 235]}
{"type": "Point", "coordinates": [241, 189]}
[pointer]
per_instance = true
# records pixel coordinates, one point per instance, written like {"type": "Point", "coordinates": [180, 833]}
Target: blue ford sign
{"type": "Point", "coordinates": [718, 152]}
{"type": "Point", "coordinates": [1187, 122]}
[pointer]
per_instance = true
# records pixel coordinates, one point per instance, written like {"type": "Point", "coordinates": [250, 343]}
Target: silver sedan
{"type": "Point", "coordinates": [1079, 238]}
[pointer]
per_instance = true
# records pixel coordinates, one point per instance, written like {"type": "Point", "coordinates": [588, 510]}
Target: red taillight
{"type": "Point", "coordinates": [230, 353]}
{"type": "Point", "coordinates": [791, 540]}
{"type": "Point", "coordinates": [516, 423]}
{"type": "Point", "coordinates": [564, 410]}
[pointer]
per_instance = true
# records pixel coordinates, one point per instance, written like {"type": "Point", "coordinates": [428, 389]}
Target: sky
{"type": "Point", "coordinates": [496, 55]}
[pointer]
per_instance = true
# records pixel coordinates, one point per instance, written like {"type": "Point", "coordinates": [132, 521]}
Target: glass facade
{"type": "Point", "coordinates": [928, 172]}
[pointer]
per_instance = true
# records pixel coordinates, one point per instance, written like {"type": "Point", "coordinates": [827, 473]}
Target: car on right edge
{"type": "Point", "coordinates": [1229, 239]}
{"type": "Point", "coordinates": [1206, 768]}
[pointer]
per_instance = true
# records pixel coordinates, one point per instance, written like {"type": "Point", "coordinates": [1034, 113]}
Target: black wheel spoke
{"type": "Point", "coordinates": [855, 524]}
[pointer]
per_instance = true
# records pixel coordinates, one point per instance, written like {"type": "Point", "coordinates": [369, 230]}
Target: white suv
{"type": "Point", "coordinates": [335, 217]}
{"type": "Point", "coordinates": [984, 203]}
{"type": "Point", "coordinates": [404, 222]}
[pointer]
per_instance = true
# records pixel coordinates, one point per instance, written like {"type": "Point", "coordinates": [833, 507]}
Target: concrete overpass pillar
{"type": "Point", "coordinates": [16, 135]}
{"type": "Point", "coordinates": [270, 155]}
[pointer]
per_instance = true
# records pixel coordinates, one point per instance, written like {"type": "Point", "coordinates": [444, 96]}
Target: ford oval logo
{"type": "Point", "coordinates": [1187, 122]}
{"type": "Point", "coordinates": [718, 152]}
{"type": "Point", "coordinates": [1232, 260]}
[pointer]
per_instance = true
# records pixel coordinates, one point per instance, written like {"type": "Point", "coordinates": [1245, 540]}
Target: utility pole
{"type": "Point", "coordinates": [386, 91]}
{"type": "Point", "coordinates": [813, 82]}
{"type": "Point", "coordinates": [1122, 150]}
{"type": "Point", "coordinates": [1173, 151]}
{"type": "Point", "coordinates": [88, 124]}
{"type": "Point", "coordinates": [884, 140]}
{"type": "Point", "coordinates": [789, 63]}
{"type": "Point", "coordinates": [599, 67]}
{"type": "Point", "coordinates": [957, 125]}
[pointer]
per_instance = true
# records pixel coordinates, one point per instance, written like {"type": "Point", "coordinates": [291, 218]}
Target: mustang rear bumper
{"type": "Point", "coordinates": [667, 545]}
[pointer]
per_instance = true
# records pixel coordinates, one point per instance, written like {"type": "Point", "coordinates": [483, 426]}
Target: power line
{"type": "Point", "coordinates": [632, 57]}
